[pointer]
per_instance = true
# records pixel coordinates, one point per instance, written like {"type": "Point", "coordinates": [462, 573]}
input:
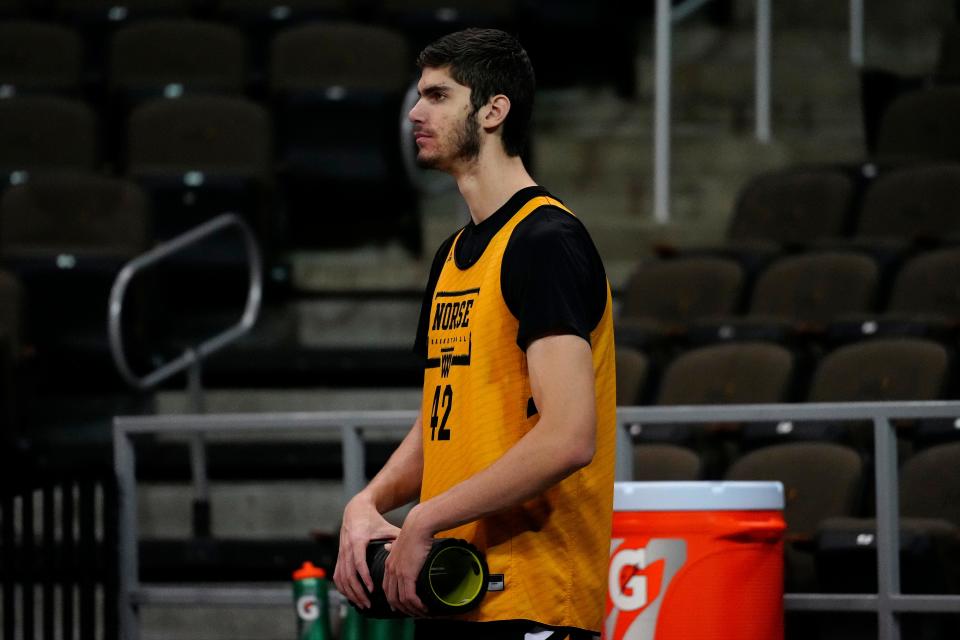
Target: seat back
{"type": "Point", "coordinates": [201, 133]}
{"type": "Point", "coordinates": [73, 213]}
{"type": "Point", "coordinates": [685, 289]}
{"type": "Point", "coordinates": [735, 373]}
{"type": "Point", "coordinates": [322, 56]}
{"type": "Point", "coordinates": [148, 56]}
{"type": "Point", "coordinates": [659, 462]}
{"type": "Point", "coordinates": [38, 57]}
{"type": "Point", "coordinates": [922, 125]}
{"type": "Point", "coordinates": [632, 367]}
{"type": "Point", "coordinates": [820, 479]}
{"type": "Point", "coordinates": [793, 206]}
{"type": "Point", "coordinates": [930, 483]}
{"type": "Point", "coordinates": [912, 203]}
{"type": "Point", "coordinates": [815, 288]}
{"type": "Point", "coordinates": [11, 301]}
{"type": "Point", "coordinates": [881, 370]}
{"type": "Point", "coordinates": [948, 60]}
{"type": "Point", "coordinates": [927, 284]}
{"type": "Point", "coordinates": [40, 133]}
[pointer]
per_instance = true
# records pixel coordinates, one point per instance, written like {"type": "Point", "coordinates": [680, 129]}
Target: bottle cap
{"type": "Point", "coordinates": [308, 570]}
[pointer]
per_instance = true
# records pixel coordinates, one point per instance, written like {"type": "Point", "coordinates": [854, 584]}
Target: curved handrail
{"type": "Point", "coordinates": [211, 345]}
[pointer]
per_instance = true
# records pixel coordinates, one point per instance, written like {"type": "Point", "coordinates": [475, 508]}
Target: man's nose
{"type": "Point", "coordinates": [415, 113]}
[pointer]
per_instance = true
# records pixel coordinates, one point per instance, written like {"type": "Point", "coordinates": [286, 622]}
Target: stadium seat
{"type": "Point", "coordinates": [783, 210]}
{"type": "Point", "coordinates": [923, 302]}
{"type": "Point", "coordinates": [337, 90]}
{"type": "Point", "coordinates": [170, 58]}
{"type": "Point", "coordinates": [423, 21]}
{"type": "Point", "coordinates": [632, 367]}
{"type": "Point", "coordinates": [260, 21]}
{"type": "Point", "coordinates": [12, 8]}
{"type": "Point", "coordinates": [820, 480]}
{"type": "Point", "coordinates": [867, 371]}
{"type": "Point", "coordinates": [200, 156]}
{"type": "Point", "coordinates": [663, 297]}
{"type": "Point", "coordinates": [10, 311]}
{"type": "Point", "coordinates": [11, 304]}
{"type": "Point", "coordinates": [929, 500]}
{"type": "Point", "coordinates": [798, 296]}
{"type": "Point", "coordinates": [659, 462]}
{"type": "Point", "coordinates": [921, 126]}
{"type": "Point", "coordinates": [948, 60]}
{"type": "Point", "coordinates": [39, 58]}
{"type": "Point", "coordinates": [66, 236]}
{"type": "Point", "coordinates": [792, 208]}
{"type": "Point", "coordinates": [44, 133]}
{"type": "Point", "coordinates": [908, 206]}
{"type": "Point", "coordinates": [734, 373]}
{"type": "Point", "coordinates": [109, 11]}
{"type": "Point", "coordinates": [283, 12]}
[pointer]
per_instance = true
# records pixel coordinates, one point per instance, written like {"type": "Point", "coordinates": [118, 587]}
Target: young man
{"type": "Point", "coordinates": [514, 447]}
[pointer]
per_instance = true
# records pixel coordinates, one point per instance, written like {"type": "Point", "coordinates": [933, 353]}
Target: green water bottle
{"type": "Point", "coordinates": [354, 625]}
{"type": "Point", "coordinates": [382, 629]}
{"type": "Point", "coordinates": [310, 594]}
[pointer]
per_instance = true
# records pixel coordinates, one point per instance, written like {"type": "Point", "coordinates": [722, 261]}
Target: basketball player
{"type": "Point", "coordinates": [514, 446]}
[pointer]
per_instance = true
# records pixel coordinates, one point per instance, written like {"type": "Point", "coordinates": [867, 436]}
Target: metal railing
{"type": "Point", "coordinates": [666, 15]}
{"type": "Point", "coordinates": [191, 360]}
{"type": "Point", "coordinates": [887, 603]}
{"type": "Point", "coordinates": [57, 554]}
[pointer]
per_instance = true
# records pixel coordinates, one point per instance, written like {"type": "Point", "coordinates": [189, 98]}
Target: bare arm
{"type": "Point", "coordinates": [564, 440]}
{"type": "Point", "coordinates": [397, 483]}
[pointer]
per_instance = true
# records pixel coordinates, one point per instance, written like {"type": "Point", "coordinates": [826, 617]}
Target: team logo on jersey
{"type": "Point", "coordinates": [450, 337]}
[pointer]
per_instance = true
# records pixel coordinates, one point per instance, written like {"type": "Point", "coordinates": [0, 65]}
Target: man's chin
{"type": "Point", "coordinates": [428, 162]}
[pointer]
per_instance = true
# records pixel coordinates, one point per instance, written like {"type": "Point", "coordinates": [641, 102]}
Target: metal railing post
{"type": "Point", "coordinates": [624, 464]}
{"type": "Point", "coordinates": [198, 451]}
{"type": "Point", "coordinates": [661, 115]}
{"type": "Point", "coordinates": [857, 55]}
{"type": "Point", "coordinates": [888, 528]}
{"type": "Point", "coordinates": [124, 461]}
{"type": "Point", "coordinates": [762, 80]}
{"type": "Point", "coordinates": [354, 461]}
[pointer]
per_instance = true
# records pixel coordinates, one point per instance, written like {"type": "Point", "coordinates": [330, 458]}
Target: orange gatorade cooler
{"type": "Point", "coordinates": [696, 561]}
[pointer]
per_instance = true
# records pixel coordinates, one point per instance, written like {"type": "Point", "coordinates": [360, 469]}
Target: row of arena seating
{"type": "Point", "coordinates": [814, 296]}
{"type": "Point", "coordinates": [870, 370]}
{"type": "Point", "coordinates": [829, 490]}
{"type": "Point", "coordinates": [568, 39]}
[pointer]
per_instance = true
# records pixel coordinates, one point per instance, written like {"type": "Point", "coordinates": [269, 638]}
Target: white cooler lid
{"type": "Point", "coordinates": [697, 496]}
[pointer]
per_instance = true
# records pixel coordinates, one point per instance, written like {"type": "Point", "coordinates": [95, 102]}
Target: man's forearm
{"type": "Point", "coordinates": [398, 482]}
{"type": "Point", "coordinates": [536, 463]}
{"type": "Point", "coordinates": [564, 440]}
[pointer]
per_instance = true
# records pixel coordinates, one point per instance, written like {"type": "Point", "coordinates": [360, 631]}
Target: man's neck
{"type": "Point", "coordinates": [489, 181]}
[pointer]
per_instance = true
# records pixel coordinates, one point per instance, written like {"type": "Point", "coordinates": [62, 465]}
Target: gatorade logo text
{"type": "Point", "coordinates": [629, 592]}
{"type": "Point", "coordinates": [308, 607]}
{"type": "Point", "coordinates": [638, 579]}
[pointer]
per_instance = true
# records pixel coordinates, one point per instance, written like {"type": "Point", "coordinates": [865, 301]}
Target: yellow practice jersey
{"type": "Point", "coordinates": [552, 551]}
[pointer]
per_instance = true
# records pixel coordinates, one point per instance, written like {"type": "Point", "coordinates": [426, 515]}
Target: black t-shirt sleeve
{"type": "Point", "coordinates": [552, 278]}
{"type": "Point", "coordinates": [420, 345]}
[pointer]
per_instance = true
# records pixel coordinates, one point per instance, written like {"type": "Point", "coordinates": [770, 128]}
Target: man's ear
{"type": "Point", "coordinates": [495, 112]}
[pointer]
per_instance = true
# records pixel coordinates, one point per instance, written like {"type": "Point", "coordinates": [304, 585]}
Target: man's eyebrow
{"type": "Point", "coordinates": [433, 88]}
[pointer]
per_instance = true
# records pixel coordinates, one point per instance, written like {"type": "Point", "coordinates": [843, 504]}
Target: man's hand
{"type": "Point", "coordinates": [361, 524]}
{"type": "Point", "coordinates": [407, 555]}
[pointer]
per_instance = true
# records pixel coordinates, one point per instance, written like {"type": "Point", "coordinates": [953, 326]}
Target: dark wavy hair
{"type": "Point", "coordinates": [489, 62]}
